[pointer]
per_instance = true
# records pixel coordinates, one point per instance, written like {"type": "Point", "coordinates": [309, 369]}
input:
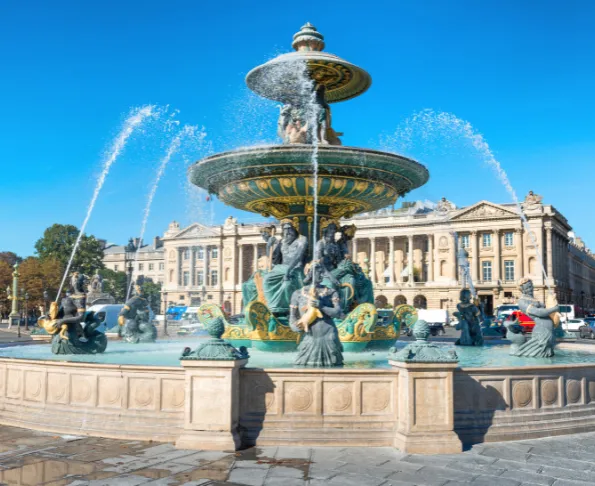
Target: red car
{"type": "Point", "coordinates": [523, 319]}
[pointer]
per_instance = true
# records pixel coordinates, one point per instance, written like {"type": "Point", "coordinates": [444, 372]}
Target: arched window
{"type": "Point", "coordinates": [443, 268]}
{"type": "Point", "coordinates": [380, 301]}
{"type": "Point", "coordinates": [227, 306]}
{"type": "Point", "coordinates": [400, 300]}
{"type": "Point", "coordinates": [171, 276]}
{"type": "Point", "coordinates": [532, 267]}
{"type": "Point", "coordinates": [420, 302]}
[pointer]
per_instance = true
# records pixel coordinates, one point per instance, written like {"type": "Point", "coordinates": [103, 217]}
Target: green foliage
{"type": "Point", "coordinates": [58, 241]}
{"type": "Point", "coordinates": [152, 291]}
{"type": "Point", "coordinates": [10, 258]}
{"type": "Point", "coordinates": [37, 276]}
{"type": "Point", "coordinates": [114, 283]}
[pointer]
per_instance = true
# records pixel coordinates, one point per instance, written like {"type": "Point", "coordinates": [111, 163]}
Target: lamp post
{"type": "Point", "coordinates": [129, 255]}
{"type": "Point", "coordinates": [26, 298]}
{"type": "Point", "coordinates": [165, 313]}
{"type": "Point", "coordinates": [46, 297]}
{"type": "Point", "coordinates": [14, 317]}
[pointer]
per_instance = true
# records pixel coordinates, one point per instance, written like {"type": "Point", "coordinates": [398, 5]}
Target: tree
{"type": "Point", "coordinates": [152, 292]}
{"type": "Point", "coordinates": [10, 257]}
{"type": "Point", "coordinates": [57, 243]}
{"type": "Point", "coordinates": [36, 277]}
{"type": "Point", "coordinates": [114, 283]}
{"type": "Point", "coordinates": [5, 281]}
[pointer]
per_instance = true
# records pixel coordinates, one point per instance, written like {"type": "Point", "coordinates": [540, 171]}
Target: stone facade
{"type": "Point", "coordinates": [410, 254]}
{"type": "Point", "coordinates": [150, 262]}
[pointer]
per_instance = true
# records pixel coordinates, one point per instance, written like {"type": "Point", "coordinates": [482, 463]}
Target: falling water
{"type": "Point", "coordinates": [189, 131]}
{"type": "Point", "coordinates": [429, 121]}
{"type": "Point", "coordinates": [136, 117]}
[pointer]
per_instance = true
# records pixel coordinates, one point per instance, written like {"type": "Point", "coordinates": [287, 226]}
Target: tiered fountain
{"type": "Point", "coordinates": [308, 182]}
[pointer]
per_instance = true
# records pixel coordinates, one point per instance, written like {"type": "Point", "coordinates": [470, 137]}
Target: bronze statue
{"type": "Point", "coordinates": [469, 324]}
{"type": "Point", "coordinates": [135, 318]}
{"type": "Point", "coordinates": [252, 289]}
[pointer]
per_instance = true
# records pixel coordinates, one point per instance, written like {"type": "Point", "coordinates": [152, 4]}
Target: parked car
{"type": "Point", "coordinates": [436, 318]}
{"type": "Point", "coordinates": [523, 319]}
{"type": "Point", "coordinates": [573, 325]}
{"type": "Point", "coordinates": [504, 311]}
{"type": "Point", "coordinates": [108, 316]}
{"type": "Point", "coordinates": [588, 330]}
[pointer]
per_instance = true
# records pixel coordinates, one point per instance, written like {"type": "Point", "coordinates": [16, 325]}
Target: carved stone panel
{"type": "Point", "coordinates": [549, 393]}
{"type": "Point", "coordinates": [299, 398]}
{"type": "Point", "coordinates": [110, 392]}
{"type": "Point", "coordinates": [522, 394]}
{"type": "Point", "coordinates": [2, 381]}
{"type": "Point", "coordinates": [82, 389]}
{"type": "Point", "coordinates": [57, 389]}
{"type": "Point", "coordinates": [259, 394]}
{"type": "Point", "coordinates": [492, 395]}
{"type": "Point", "coordinates": [427, 394]}
{"type": "Point", "coordinates": [377, 397]}
{"type": "Point", "coordinates": [141, 394]}
{"type": "Point", "coordinates": [573, 392]}
{"type": "Point", "coordinates": [172, 395]}
{"type": "Point", "coordinates": [33, 386]}
{"type": "Point", "coordinates": [338, 398]}
{"type": "Point", "coordinates": [14, 383]}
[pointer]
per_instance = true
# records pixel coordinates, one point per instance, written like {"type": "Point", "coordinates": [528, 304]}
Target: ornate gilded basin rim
{"type": "Point", "coordinates": [400, 173]}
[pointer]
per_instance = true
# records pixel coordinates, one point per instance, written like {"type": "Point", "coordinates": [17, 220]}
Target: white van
{"type": "Point", "coordinates": [568, 312]}
{"type": "Point", "coordinates": [108, 316]}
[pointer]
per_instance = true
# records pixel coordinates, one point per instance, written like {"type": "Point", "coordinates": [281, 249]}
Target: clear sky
{"type": "Point", "coordinates": [522, 73]}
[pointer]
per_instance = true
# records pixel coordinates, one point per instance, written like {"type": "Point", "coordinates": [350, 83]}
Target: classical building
{"type": "Point", "coordinates": [149, 263]}
{"type": "Point", "coordinates": [409, 253]}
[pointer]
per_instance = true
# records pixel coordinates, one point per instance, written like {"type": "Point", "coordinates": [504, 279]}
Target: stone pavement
{"type": "Point", "coordinates": [35, 458]}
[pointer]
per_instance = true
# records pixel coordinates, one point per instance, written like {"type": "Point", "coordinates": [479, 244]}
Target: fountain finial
{"type": "Point", "coordinates": [308, 39]}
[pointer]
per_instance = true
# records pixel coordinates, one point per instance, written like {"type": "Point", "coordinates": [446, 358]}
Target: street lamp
{"type": "Point", "coordinates": [14, 317]}
{"type": "Point", "coordinates": [46, 297]}
{"type": "Point", "coordinates": [129, 255]}
{"type": "Point", "coordinates": [26, 298]}
{"type": "Point", "coordinates": [165, 313]}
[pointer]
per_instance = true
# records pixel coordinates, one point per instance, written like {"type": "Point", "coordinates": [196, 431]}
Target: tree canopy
{"type": "Point", "coordinates": [10, 257]}
{"type": "Point", "coordinates": [114, 283]}
{"type": "Point", "coordinates": [57, 243]}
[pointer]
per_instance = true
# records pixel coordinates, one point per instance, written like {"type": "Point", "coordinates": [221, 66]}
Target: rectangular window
{"type": "Point", "coordinates": [185, 279]}
{"type": "Point", "coordinates": [201, 253]}
{"type": "Point", "coordinates": [486, 240]}
{"type": "Point", "coordinates": [509, 238]}
{"type": "Point", "coordinates": [465, 241]}
{"type": "Point", "coordinates": [214, 252]}
{"type": "Point", "coordinates": [200, 278]}
{"type": "Point", "coordinates": [141, 267]}
{"type": "Point", "coordinates": [509, 270]}
{"type": "Point", "coordinates": [115, 268]}
{"type": "Point", "coordinates": [214, 278]}
{"type": "Point", "coordinates": [486, 271]}
{"type": "Point", "coordinates": [151, 267]}
{"type": "Point", "coordinates": [162, 266]}
{"type": "Point", "coordinates": [186, 254]}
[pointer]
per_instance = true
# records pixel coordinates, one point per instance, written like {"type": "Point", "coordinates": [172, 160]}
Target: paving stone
{"type": "Point", "coordinates": [202, 457]}
{"type": "Point", "coordinates": [474, 467]}
{"type": "Point", "coordinates": [379, 472]}
{"type": "Point", "coordinates": [285, 482]}
{"type": "Point", "coordinates": [251, 477]}
{"type": "Point", "coordinates": [517, 465]}
{"type": "Point", "coordinates": [286, 472]}
{"type": "Point", "coordinates": [293, 453]}
{"type": "Point", "coordinates": [569, 482]}
{"type": "Point", "coordinates": [528, 477]}
{"type": "Point", "coordinates": [414, 478]}
{"type": "Point", "coordinates": [320, 473]}
{"type": "Point", "coordinates": [251, 465]}
{"type": "Point", "coordinates": [483, 480]}
{"type": "Point", "coordinates": [354, 480]}
{"type": "Point", "coordinates": [503, 453]}
{"type": "Point", "coordinates": [561, 473]}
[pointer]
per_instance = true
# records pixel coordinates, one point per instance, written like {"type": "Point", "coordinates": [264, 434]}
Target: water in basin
{"type": "Point", "coordinates": [167, 353]}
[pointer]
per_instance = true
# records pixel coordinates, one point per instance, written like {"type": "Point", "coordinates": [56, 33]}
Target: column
{"type": "Point", "coordinates": [453, 260]}
{"type": "Point", "coordinates": [193, 266]}
{"type": "Point", "coordinates": [410, 261]}
{"type": "Point", "coordinates": [373, 259]}
{"type": "Point", "coordinates": [430, 258]}
{"type": "Point", "coordinates": [474, 256]}
{"type": "Point", "coordinates": [520, 265]}
{"type": "Point", "coordinates": [220, 267]}
{"type": "Point", "coordinates": [207, 266]}
{"type": "Point", "coordinates": [255, 259]}
{"type": "Point", "coordinates": [180, 251]}
{"type": "Point", "coordinates": [240, 264]}
{"type": "Point", "coordinates": [550, 270]}
{"type": "Point", "coordinates": [497, 256]}
{"type": "Point", "coordinates": [354, 250]}
{"type": "Point", "coordinates": [391, 260]}
{"type": "Point", "coordinates": [400, 265]}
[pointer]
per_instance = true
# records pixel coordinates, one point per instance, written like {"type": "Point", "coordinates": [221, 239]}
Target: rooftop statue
{"type": "Point", "coordinates": [313, 309]}
{"type": "Point", "coordinates": [543, 341]}
{"type": "Point", "coordinates": [286, 276]}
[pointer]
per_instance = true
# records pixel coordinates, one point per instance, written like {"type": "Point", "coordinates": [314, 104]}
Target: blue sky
{"type": "Point", "coordinates": [521, 73]}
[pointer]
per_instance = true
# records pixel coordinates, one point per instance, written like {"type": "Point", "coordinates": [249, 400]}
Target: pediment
{"type": "Point", "coordinates": [484, 210]}
{"type": "Point", "coordinates": [196, 230]}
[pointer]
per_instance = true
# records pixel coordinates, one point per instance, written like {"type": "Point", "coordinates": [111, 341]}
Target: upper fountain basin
{"type": "Point", "coordinates": [277, 180]}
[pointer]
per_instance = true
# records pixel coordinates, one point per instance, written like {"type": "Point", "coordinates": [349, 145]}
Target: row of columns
{"type": "Point", "coordinates": [193, 254]}
{"type": "Point", "coordinates": [256, 251]}
{"type": "Point", "coordinates": [497, 266]}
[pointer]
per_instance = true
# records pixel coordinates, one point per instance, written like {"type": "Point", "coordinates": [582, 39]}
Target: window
{"type": "Point", "coordinates": [509, 270]}
{"type": "Point", "coordinates": [201, 253]}
{"type": "Point", "coordinates": [486, 240]}
{"type": "Point", "coordinates": [171, 276]}
{"type": "Point", "coordinates": [151, 267]}
{"type": "Point", "coordinates": [214, 278]}
{"type": "Point", "coordinates": [200, 278]}
{"type": "Point", "coordinates": [162, 266]}
{"type": "Point", "coordinates": [185, 278]}
{"type": "Point", "coordinates": [186, 254]}
{"type": "Point", "coordinates": [214, 252]}
{"type": "Point", "coordinates": [486, 271]}
{"type": "Point", "coordinates": [508, 238]}
{"type": "Point", "coordinates": [115, 268]}
{"type": "Point", "coordinates": [141, 267]}
{"type": "Point", "coordinates": [465, 241]}
{"type": "Point", "coordinates": [182, 297]}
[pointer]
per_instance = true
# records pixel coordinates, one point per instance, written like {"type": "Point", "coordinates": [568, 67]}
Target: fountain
{"type": "Point", "coordinates": [420, 398]}
{"type": "Point", "coordinates": [308, 183]}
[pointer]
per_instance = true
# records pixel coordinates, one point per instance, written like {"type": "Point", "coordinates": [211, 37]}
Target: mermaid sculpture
{"type": "Point", "coordinates": [313, 309]}
{"type": "Point", "coordinates": [542, 342]}
{"type": "Point", "coordinates": [286, 276]}
{"type": "Point", "coordinates": [73, 330]}
{"type": "Point", "coordinates": [469, 321]}
{"type": "Point", "coordinates": [135, 319]}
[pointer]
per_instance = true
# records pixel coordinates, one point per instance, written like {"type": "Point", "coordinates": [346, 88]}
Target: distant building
{"type": "Point", "coordinates": [410, 254]}
{"type": "Point", "coordinates": [150, 262]}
